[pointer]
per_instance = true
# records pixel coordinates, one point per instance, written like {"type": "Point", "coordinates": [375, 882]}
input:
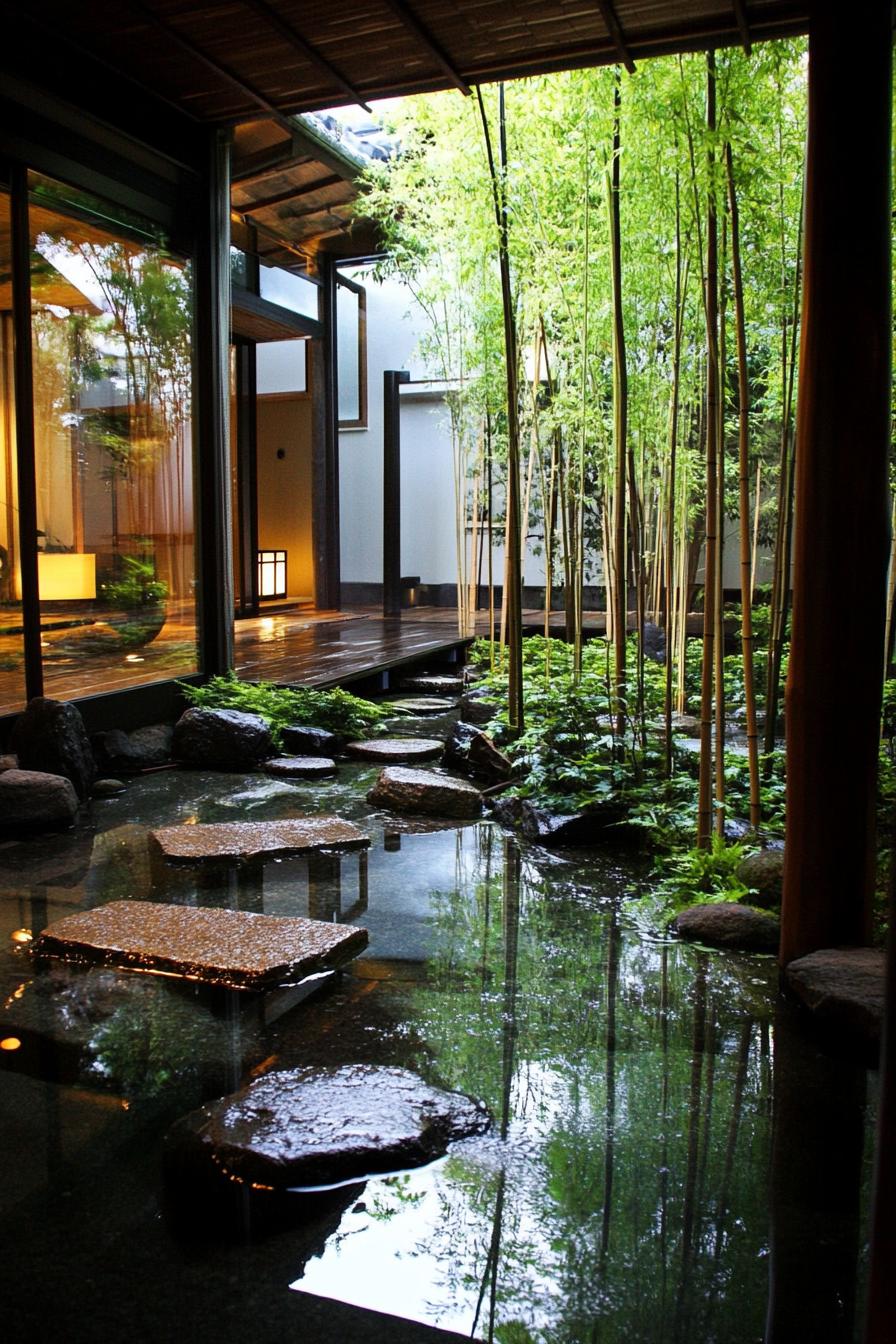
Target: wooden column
{"type": "Point", "coordinates": [842, 439]}
{"type": "Point", "coordinates": [392, 379]}
{"type": "Point", "coordinates": [211, 411]}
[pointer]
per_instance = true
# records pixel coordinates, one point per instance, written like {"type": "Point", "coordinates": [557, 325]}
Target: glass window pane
{"type": "Point", "coordinates": [281, 367]}
{"type": "Point", "coordinates": [111, 322]}
{"type": "Point", "coordinates": [288, 290]}
{"type": "Point", "coordinates": [12, 662]}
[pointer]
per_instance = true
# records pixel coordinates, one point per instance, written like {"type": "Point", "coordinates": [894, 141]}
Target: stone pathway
{"type": "Point", "coordinates": [404, 790]}
{"type": "Point", "coordinates": [423, 704]}
{"type": "Point", "coordinates": [396, 749]}
{"type": "Point", "coordinates": [843, 985]}
{"type": "Point", "coordinates": [300, 767]}
{"type": "Point", "coordinates": [233, 948]}
{"type": "Point", "coordinates": [251, 839]}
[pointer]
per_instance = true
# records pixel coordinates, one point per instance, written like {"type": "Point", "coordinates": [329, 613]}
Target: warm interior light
{"type": "Point", "coordinates": [21, 935]}
{"type": "Point", "coordinates": [66, 575]}
{"type": "Point", "coordinates": [10, 1043]}
{"type": "Point", "coordinates": [271, 573]}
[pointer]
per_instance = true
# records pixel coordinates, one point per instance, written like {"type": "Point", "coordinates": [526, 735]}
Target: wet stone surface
{"type": "Point", "coordinates": [843, 985]}
{"type": "Point", "coordinates": [432, 683]}
{"type": "Point", "coordinates": [50, 736]}
{"type": "Point", "coordinates": [221, 739]}
{"type": "Point", "coordinates": [300, 767]}
{"type": "Point", "coordinates": [235, 948]}
{"type": "Point", "coordinates": [311, 1127]}
{"type": "Point", "coordinates": [396, 749]}
{"type": "Point", "coordinates": [31, 800]}
{"type": "Point", "coordinates": [251, 839]}
{"type": "Point", "coordinates": [406, 790]}
{"type": "Point", "coordinates": [727, 925]}
{"type": "Point", "coordinates": [421, 704]}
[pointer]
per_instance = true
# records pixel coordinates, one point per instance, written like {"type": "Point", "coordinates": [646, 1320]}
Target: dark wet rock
{"type": "Point", "coordinates": [308, 741]}
{"type": "Point", "coordinates": [8, 762]}
{"type": "Point", "coordinates": [654, 642]}
{"type": "Point", "coordinates": [588, 827]}
{"type": "Point", "coordinates": [107, 788]}
{"type": "Point", "coordinates": [844, 986]}
{"type": "Point", "coordinates": [235, 948]}
{"type": "Point", "coordinates": [403, 790]}
{"type": "Point", "coordinates": [421, 705]}
{"type": "Point", "coordinates": [469, 748]}
{"type": "Point", "coordinates": [476, 707]}
{"type": "Point", "coordinates": [117, 752]}
{"type": "Point", "coordinates": [397, 750]}
{"type": "Point", "coordinates": [763, 873]}
{"type": "Point", "coordinates": [508, 811]}
{"type": "Point", "coordinates": [311, 1127]}
{"type": "Point", "coordinates": [738, 829]}
{"type": "Point", "coordinates": [33, 800]}
{"type": "Point", "coordinates": [222, 739]}
{"type": "Point", "coordinates": [60, 860]}
{"type": "Point", "coordinates": [50, 737]}
{"type": "Point", "coordinates": [432, 683]}
{"type": "Point", "coordinates": [727, 925]}
{"type": "Point", "coordinates": [301, 767]}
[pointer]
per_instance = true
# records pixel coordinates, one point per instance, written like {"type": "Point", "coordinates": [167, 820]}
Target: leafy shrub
{"type": "Point", "coordinates": [284, 706]}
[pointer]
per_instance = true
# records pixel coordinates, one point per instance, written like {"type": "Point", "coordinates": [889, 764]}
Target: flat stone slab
{"type": "Point", "coordinates": [396, 749]}
{"type": "Point", "coordinates": [421, 704]}
{"type": "Point", "coordinates": [434, 684]}
{"type": "Point", "coordinates": [844, 985]}
{"type": "Point", "coordinates": [252, 839]}
{"type": "Point", "coordinates": [300, 767]}
{"type": "Point", "coordinates": [728, 925]}
{"type": "Point", "coordinates": [404, 790]}
{"type": "Point", "coordinates": [234, 948]}
{"type": "Point", "coordinates": [321, 1127]}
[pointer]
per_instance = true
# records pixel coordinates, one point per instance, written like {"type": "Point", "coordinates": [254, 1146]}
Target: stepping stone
{"type": "Point", "coordinates": [403, 790]}
{"type": "Point", "coordinates": [300, 767]}
{"type": "Point", "coordinates": [251, 839]}
{"type": "Point", "coordinates": [396, 749]}
{"type": "Point", "coordinates": [423, 704]}
{"type": "Point", "coordinates": [434, 684]}
{"type": "Point", "coordinates": [233, 948]}
{"type": "Point", "coordinates": [728, 925]}
{"type": "Point", "coordinates": [844, 985]}
{"type": "Point", "coordinates": [320, 1127]}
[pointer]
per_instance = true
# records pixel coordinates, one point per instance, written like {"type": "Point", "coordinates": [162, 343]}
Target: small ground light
{"type": "Point", "coordinates": [10, 1043]}
{"type": "Point", "coordinates": [21, 936]}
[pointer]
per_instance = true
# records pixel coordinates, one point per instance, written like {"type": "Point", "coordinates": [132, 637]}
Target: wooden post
{"type": "Point", "coordinates": [842, 440]}
{"type": "Point", "coordinates": [392, 490]}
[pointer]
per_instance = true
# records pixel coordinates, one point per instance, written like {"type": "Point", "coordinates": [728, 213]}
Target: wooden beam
{"type": "Point", "coordinates": [740, 13]}
{"type": "Point", "coordinates": [268, 162]}
{"type": "Point", "coordinates": [426, 39]}
{"type": "Point", "coordinates": [293, 194]}
{"type": "Point", "coordinates": [295, 39]}
{"type": "Point", "coordinates": [614, 28]}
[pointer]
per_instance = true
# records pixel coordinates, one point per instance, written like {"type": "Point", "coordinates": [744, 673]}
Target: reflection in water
{"type": "Point", "coordinates": [623, 1194]}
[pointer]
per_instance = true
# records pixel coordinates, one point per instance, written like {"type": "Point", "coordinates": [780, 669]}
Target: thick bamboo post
{"type": "Point", "coordinates": [841, 542]}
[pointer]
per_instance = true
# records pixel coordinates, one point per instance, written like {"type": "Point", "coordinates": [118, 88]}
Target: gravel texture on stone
{"type": "Point", "coordinates": [250, 839]}
{"type": "Point", "coordinates": [727, 925]}
{"type": "Point", "coordinates": [50, 737]}
{"type": "Point", "coordinates": [235, 948]}
{"type": "Point", "coordinates": [844, 985]}
{"type": "Point", "coordinates": [405, 790]}
{"type": "Point", "coordinates": [221, 739]}
{"type": "Point", "coordinates": [313, 1127]}
{"type": "Point", "coordinates": [32, 800]}
{"type": "Point", "coordinates": [433, 683]}
{"type": "Point", "coordinates": [300, 767]}
{"type": "Point", "coordinates": [421, 704]}
{"type": "Point", "coordinates": [396, 749]}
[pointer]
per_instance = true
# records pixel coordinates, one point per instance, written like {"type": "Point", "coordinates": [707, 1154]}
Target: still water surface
{"type": "Point", "coordinates": [632, 1188]}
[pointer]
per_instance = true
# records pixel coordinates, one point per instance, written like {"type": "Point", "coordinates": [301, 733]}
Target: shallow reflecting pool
{"type": "Point", "coordinates": [633, 1188]}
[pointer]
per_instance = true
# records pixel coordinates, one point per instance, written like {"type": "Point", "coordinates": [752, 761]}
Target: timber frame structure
{"type": "Point", "coordinates": [146, 102]}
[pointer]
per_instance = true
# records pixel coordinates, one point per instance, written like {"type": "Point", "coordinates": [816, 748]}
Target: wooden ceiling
{"type": "Point", "coordinates": [224, 61]}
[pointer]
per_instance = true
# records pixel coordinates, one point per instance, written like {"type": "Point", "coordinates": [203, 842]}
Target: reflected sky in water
{"type": "Point", "coordinates": [630, 1188]}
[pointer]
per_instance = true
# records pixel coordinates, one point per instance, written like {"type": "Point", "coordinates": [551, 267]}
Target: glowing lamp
{"type": "Point", "coordinates": [271, 573]}
{"type": "Point", "coordinates": [65, 576]}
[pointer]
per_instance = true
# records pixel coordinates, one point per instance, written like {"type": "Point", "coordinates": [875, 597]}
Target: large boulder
{"type": "Point", "coordinates": [845, 986]}
{"type": "Point", "coordinates": [728, 925]}
{"type": "Point", "coordinates": [763, 873]}
{"type": "Point", "coordinates": [423, 791]}
{"type": "Point", "coordinates": [589, 826]}
{"type": "Point", "coordinates": [469, 748]}
{"type": "Point", "coordinates": [303, 740]}
{"type": "Point", "coordinates": [319, 1126]}
{"type": "Point", "coordinates": [50, 737]}
{"type": "Point", "coordinates": [120, 753]}
{"type": "Point", "coordinates": [222, 739]}
{"type": "Point", "coordinates": [33, 800]}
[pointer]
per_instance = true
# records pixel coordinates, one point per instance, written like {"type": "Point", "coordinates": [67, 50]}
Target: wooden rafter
{"type": "Point", "coordinates": [614, 28]}
{"type": "Point", "coordinates": [740, 13]}
{"type": "Point", "coordinates": [295, 39]}
{"type": "Point", "coordinates": [291, 194]}
{"type": "Point", "coordinates": [410, 21]}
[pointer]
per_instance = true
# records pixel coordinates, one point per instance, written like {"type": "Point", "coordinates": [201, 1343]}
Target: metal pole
{"type": "Point", "coordinates": [392, 378]}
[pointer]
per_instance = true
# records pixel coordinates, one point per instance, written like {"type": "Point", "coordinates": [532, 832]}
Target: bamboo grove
{"type": "Point", "coordinates": [610, 265]}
